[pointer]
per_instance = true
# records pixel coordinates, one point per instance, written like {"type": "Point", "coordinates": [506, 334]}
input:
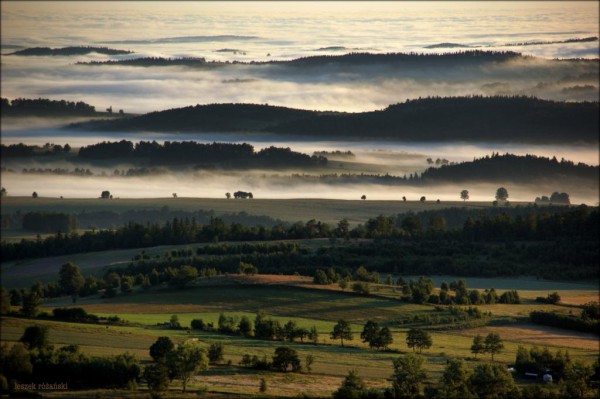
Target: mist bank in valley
{"type": "Point", "coordinates": [350, 83]}
{"type": "Point", "coordinates": [152, 158]}
{"type": "Point", "coordinates": [470, 118]}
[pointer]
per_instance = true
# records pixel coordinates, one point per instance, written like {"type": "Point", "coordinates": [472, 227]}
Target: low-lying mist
{"type": "Point", "coordinates": [352, 88]}
{"type": "Point", "coordinates": [269, 185]}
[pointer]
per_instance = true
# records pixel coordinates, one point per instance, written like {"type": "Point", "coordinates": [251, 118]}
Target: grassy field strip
{"type": "Point", "coordinates": [274, 300]}
{"type": "Point", "coordinates": [532, 334]}
{"type": "Point", "coordinates": [324, 210]}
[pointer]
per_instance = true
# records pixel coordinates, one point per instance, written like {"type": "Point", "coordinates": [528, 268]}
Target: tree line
{"type": "Point", "coordinates": [44, 106]}
{"type": "Point", "coordinates": [588, 321]}
{"type": "Point", "coordinates": [186, 152]}
{"type": "Point", "coordinates": [554, 240]}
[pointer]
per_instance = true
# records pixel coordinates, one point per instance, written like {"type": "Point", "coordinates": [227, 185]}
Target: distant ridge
{"type": "Point", "coordinates": [476, 118]}
{"type": "Point", "coordinates": [352, 58]}
{"type": "Point", "coordinates": [77, 50]}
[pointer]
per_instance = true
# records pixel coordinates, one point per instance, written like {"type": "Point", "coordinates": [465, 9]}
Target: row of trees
{"type": "Point", "coordinates": [46, 107]}
{"type": "Point", "coordinates": [458, 381]}
{"type": "Point", "coordinates": [263, 327]}
{"type": "Point", "coordinates": [588, 321]}
{"type": "Point", "coordinates": [576, 224]}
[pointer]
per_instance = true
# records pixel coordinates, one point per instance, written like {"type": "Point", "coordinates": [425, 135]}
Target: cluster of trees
{"type": "Point", "coordinates": [191, 152]}
{"type": "Point", "coordinates": [336, 154]}
{"type": "Point", "coordinates": [241, 194]}
{"type": "Point", "coordinates": [377, 337]}
{"type": "Point", "coordinates": [588, 321]}
{"type": "Point", "coordinates": [555, 198]}
{"type": "Point", "coordinates": [34, 360]}
{"type": "Point", "coordinates": [72, 50]}
{"type": "Point", "coordinates": [283, 359]}
{"type": "Point", "coordinates": [262, 328]}
{"type": "Point", "coordinates": [172, 361]}
{"type": "Point", "coordinates": [50, 222]}
{"type": "Point", "coordinates": [45, 107]}
{"type": "Point", "coordinates": [491, 344]}
{"type": "Point", "coordinates": [542, 361]}
{"type": "Point", "coordinates": [332, 276]}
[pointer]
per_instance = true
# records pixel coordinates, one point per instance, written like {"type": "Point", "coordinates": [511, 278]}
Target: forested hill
{"type": "Point", "coordinates": [509, 167]}
{"type": "Point", "coordinates": [473, 118]}
{"type": "Point", "coordinates": [207, 118]}
{"type": "Point", "coordinates": [65, 51]}
{"type": "Point", "coordinates": [520, 119]}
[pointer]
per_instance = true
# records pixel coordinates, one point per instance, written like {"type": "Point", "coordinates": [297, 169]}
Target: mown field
{"type": "Point", "coordinates": [289, 298]}
{"type": "Point", "coordinates": [290, 210]}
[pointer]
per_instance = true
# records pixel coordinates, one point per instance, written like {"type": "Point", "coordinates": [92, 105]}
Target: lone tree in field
{"type": "Point", "coordinates": [70, 279]}
{"type": "Point", "coordinates": [34, 194]}
{"type": "Point", "coordinates": [423, 199]}
{"type": "Point", "coordinates": [216, 351]}
{"type": "Point", "coordinates": [408, 376]}
{"type": "Point", "coordinates": [35, 337]}
{"type": "Point", "coordinates": [493, 344]}
{"type": "Point", "coordinates": [228, 195]}
{"type": "Point", "coordinates": [105, 194]}
{"type": "Point", "coordinates": [418, 339]}
{"type": "Point", "coordinates": [342, 331]}
{"type": "Point", "coordinates": [285, 357]}
{"type": "Point", "coordinates": [185, 361]}
{"type": "Point", "coordinates": [363, 197]}
{"type": "Point", "coordinates": [464, 195]}
{"type": "Point", "coordinates": [160, 348]}
{"type": "Point", "coordinates": [478, 345]}
{"type": "Point", "coordinates": [501, 194]}
{"type": "Point", "coordinates": [31, 301]}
